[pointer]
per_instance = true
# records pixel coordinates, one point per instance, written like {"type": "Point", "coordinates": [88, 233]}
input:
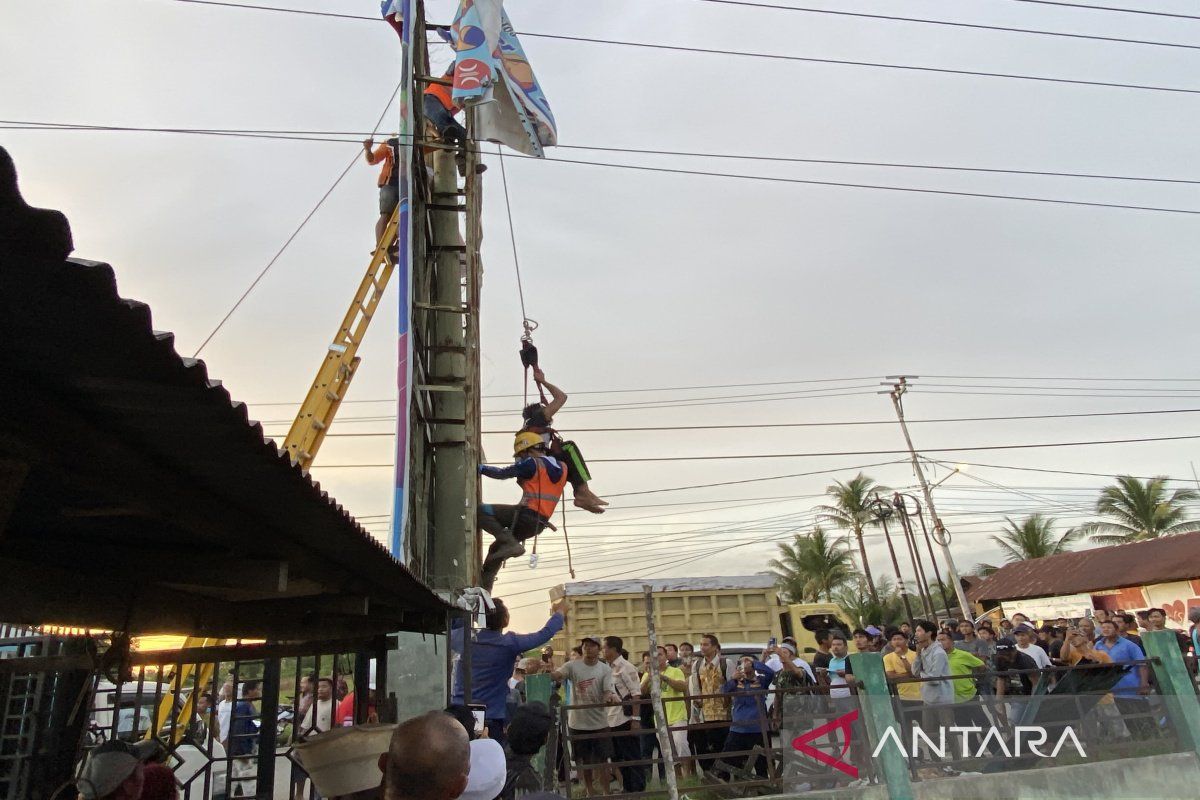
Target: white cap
{"type": "Point", "coordinates": [488, 770]}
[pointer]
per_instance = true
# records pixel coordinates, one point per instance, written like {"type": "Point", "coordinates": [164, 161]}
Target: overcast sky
{"type": "Point", "coordinates": [644, 280]}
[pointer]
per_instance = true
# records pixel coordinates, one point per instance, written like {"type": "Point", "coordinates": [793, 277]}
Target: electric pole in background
{"type": "Point", "coordinates": [899, 384]}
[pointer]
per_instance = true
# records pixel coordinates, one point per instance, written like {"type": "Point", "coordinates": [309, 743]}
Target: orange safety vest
{"type": "Point", "coordinates": [541, 494]}
{"type": "Point", "coordinates": [444, 96]}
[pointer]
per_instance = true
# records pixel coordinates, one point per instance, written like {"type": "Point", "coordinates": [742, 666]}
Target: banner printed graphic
{"type": "Point", "coordinates": [487, 52]}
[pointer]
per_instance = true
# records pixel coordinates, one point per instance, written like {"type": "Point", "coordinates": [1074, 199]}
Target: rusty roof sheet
{"type": "Point", "coordinates": [1171, 558]}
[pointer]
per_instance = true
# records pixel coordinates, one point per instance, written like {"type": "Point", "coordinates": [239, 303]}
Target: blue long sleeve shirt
{"type": "Point", "coordinates": [493, 655]}
{"type": "Point", "coordinates": [749, 712]}
{"type": "Point", "coordinates": [524, 469]}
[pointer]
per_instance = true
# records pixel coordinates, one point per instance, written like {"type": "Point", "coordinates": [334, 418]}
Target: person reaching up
{"type": "Point", "coordinates": [539, 419]}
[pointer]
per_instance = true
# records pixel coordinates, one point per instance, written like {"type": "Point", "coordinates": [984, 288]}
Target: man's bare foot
{"type": "Point", "coordinates": [587, 504]}
{"type": "Point", "coordinates": [589, 496]}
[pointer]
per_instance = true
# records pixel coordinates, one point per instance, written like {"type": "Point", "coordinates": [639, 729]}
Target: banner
{"type": "Point", "coordinates": [493, 74]}
{"type": "Point", "coordinates": [395, 12]}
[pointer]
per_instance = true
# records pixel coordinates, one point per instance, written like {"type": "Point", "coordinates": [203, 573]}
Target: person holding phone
{"type": "Point", "coordinates": [749, 726]}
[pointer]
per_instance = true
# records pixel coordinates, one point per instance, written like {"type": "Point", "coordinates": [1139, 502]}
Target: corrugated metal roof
{"type": "Point", "coordinates": [122, 451]}
{"type": "Point", "coordinates": [710, 583]}
{"type": "Point", "coordinates": [1171, 558]}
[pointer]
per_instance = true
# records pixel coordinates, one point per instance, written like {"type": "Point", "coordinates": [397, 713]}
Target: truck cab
{"type": "Point", "coordinates": [802, 621]}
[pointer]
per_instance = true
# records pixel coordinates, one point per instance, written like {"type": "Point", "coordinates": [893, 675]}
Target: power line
{"type": "Point", "coordinates": [326, 136]}
{"type": "Point", "coordinates": [1065, 471]}
{"type": "Point", "coordinates": [759, 456]}
{"type": "Point", "coordinates": [750, 54]}
{"type": "Point", "coordinates": [1108, 8]}
{"type": "Point", "coordinates": [237, 304]}
{"type": "Point", "coordinates": [877, 187]}
{"type": "Point", "coordinates": [948, 23]}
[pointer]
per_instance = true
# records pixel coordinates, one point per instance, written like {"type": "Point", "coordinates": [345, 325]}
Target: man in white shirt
{"type": "Point", "coordinates": [1024, 636]}
{"type": "Point", "coordinates": [624, 720]}
{"type": "Point", "coordinates": [320, 714]}
{"type": "Point", "coordinates": [931, 662]}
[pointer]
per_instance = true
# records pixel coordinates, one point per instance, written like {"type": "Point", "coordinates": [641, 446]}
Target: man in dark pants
{"type": "Point", "coordinates": [542, 478]}
{"type": "Point", "coordinates": [623, 719]}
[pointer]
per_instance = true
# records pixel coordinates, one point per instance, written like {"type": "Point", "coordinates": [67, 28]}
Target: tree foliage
{"type": "Point", "coordinates": [811, 566]}
{"type": "Point", "coordinates": [1136, 510]}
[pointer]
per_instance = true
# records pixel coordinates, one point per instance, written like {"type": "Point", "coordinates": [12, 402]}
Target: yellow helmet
{"type": "Point", "coordinates": [526, 440]}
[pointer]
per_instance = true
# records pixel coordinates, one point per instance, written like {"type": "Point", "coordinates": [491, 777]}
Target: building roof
{"type": "Point", "coordinates": [1170, 558]}
{"type": "Point", "coordinates": [713, 583]}
{"type": "Point", "coordinates": [136, 495]}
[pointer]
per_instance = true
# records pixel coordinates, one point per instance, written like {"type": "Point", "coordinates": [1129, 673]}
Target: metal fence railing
{"type": "Point", "coordinates": [227, 718]}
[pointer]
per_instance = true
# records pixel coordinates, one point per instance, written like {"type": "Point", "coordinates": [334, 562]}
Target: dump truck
{"type": "Point", "coordinates": [744, 611]}
{"type": "Point", "coordinates": [738, 609]}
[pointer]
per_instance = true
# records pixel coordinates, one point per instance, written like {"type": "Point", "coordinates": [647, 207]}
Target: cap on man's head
{"type": "Point", "coordinates": [486, 778]}
{"type": "Point", "coordinates": [110, 765]}
{"type": "Point", "coordinates": [871, 629]}
{"type": "Point", "coordinates": [587, 639]}
{"type": "Point", "coordinates": [1024, 627]}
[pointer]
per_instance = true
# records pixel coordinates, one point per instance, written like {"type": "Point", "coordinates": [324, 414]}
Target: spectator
{"type": "Point", "coordinates": [969, 641]}
{"type": "Point", "coordinates": [749, 719]}
{"type": "Point", "coordinates": [713, 709]}
{"type": "Point", "coordinates": [1127, 628]}
{"type": "Point", "coordinates": [547, 656]}
{"type": "Point", "coordinates": [876, 638]}
{"type": "Point", "coordinates": [1194, 633]}
{"type": "Point", "coordinates": [649, 743]}
{"type": "Point", "coordinates": [115, 770]}
{"type": "Point", "coordinates": [1006, 629]}
{"type": "Point", "coordinates": [931, 662]}
{"type": "Point", "coordinates": [686, 652]}
{"type": "Point", "coordinates": [466, 718]}
{"type": "Point", "coordinates": [1078, 648]}
{"type": "Point", "coordinates": [674, 695]}
{"type": "Point", "coordinates": [836, 671]}
{"type": "Point", "coordinates": [492, 656]}
{"type": "Point", "coordinates": [967, 712]}
{"type": "Point", "coordinates": [1087, 627]}
{"type": "Point", "coordinates": [488, 770]}
{"type": "Point", "coordinates": [1129, 692]}
{"type": "Point", "coordinates": [862, 640]}
{"type": "Point", "coordinates": [898, 666]}
{"type": "Point", "coordinates": [345, 708]}
{"type": "Point", "coordinates": [1099, 615]}
{"type": "Point", "coordinates": [1024, 636]}
{"type": "Point", "coordinates": [1156, 620]}
{"type": "Point", "coordinates": [158, 783]}
{"type": "Point", "coordinates": [1015, 679]}
{"type": "Point", "coordinates": [624, 719]}
{"type": "Point", "coordinates": [1019, 619]}
{"type": "Point", "coordinates": [673, 655]}
{"type": "Point", "coordinates": [516, 690]}
{"type": "Point", "coordinates": [243, 740]}
{"type": "Point", "coordinates": [527, 733]}
{"type": "Point", "coordinates": [821, 657]}
{"type": "Point", "coordinates": [429, 758]}
{"type": "Point", "coordinates": [950, 626]}
{"type": "Point", "coordinates": [1054, 643]}
{"type": "Point", "coordinates": [319, 718]}
{"type": "Point", "coordinates": [592, 683]}
{"type": "Point", "coordinates": [224, 710]}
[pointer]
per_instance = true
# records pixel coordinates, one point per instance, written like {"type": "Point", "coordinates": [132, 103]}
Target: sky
{"type": "Point", "coordinates": [645, 281]}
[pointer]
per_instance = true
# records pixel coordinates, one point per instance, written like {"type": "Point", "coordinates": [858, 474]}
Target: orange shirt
{"type": "Point", "coordinates": [383, 153]}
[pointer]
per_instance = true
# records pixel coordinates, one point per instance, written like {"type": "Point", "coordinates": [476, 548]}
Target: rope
{"type": "Point", "coordinates": [567, 540]}
{"type": "Point", "coordinates": [529, 325]}
{"type": "Point", "coordinates": [295, 233]}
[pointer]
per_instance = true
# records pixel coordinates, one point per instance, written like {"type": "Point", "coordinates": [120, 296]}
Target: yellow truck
{"type": "Point", "coordinates": [744, 611]}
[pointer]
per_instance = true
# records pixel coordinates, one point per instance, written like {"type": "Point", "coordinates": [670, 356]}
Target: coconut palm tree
{"type": "Point", "coordinates": [1139, 510]}
{"type": "Point", "coordinates": [1032, 538]}
{"type": "Point", "coordinates": [811, 566]}
{"type": "Point", "coordinates": [851, 510]}
{"type": "Point", "coordinates": [858, 603]}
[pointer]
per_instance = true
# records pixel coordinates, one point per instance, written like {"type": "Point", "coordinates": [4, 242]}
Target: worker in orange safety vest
{"type": "Point", "coordinates": [542, 478]}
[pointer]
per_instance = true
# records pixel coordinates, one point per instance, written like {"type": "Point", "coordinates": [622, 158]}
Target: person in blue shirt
{"type": "Point", "coordinates": [1129, 692]}
{"type": "Point", "coordinates": [493, 654]}
{"type": "Point", "coordinates": [749, 716]}
{"type": "Point", "coordinates": [542, 478]}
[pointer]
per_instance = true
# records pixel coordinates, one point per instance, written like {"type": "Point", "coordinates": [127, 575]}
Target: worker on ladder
{"type": "Point", "coordinates": [387, 154]}
{"type": "Point", "coordinates": [539, 418]}
{"type": "Point", "coordinates": [542, 478]}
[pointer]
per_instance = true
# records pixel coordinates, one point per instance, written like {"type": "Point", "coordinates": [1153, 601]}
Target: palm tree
{"type": "Point", "coordinates": [1138, 510]}
{"type": "Point", "coordinates": [1032, 538]}
{"type": "Point", "coordinates": [811, 566]}
{"type": "Point", "coordinates": [857, 602]}
{"type": "Point", "coordinates": [851, 510]}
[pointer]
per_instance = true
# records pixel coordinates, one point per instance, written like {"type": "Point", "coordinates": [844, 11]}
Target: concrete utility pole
{"type": "Point", "coordinates": [899, 387]}
{"type": "Point", "coordinates": [660, 717]}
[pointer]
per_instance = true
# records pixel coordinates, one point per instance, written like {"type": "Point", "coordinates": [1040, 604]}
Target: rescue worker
{"type": "Point", "coordinates": [542, 478]}
{"type": "Point", "coordinates": [389, 180]}
{"type": "Point", "coordinates": [539, 419]}
{"type": "Point", "coordinates": [439, 108]}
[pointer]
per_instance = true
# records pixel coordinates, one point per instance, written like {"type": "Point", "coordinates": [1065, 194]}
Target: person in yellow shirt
{"type": "Point", "coordinates": [673, 684]}
{"type": "Point", "coordinates": [897, 665]}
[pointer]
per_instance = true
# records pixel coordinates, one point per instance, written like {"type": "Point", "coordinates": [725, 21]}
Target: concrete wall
{"type": "Point", "coordinates": [1166, 777]}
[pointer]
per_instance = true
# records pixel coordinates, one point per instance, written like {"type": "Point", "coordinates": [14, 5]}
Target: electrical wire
{"type": "Point", "coordinates": [325, 136]}
{"type": "Point", "coordinates": [873, 186]}
{"type": "Point", "coordinates": [262, 274]}
{"type": "Point", "coordinates": [1116, 9]}
{"type": "Point", "coordinates": [948, 23]}
{"type": "Point", "coordinates": [749, 54]}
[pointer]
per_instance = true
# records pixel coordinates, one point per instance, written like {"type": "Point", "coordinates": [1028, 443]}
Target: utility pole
{"type": "Point", "coordinates": [899, 387]}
